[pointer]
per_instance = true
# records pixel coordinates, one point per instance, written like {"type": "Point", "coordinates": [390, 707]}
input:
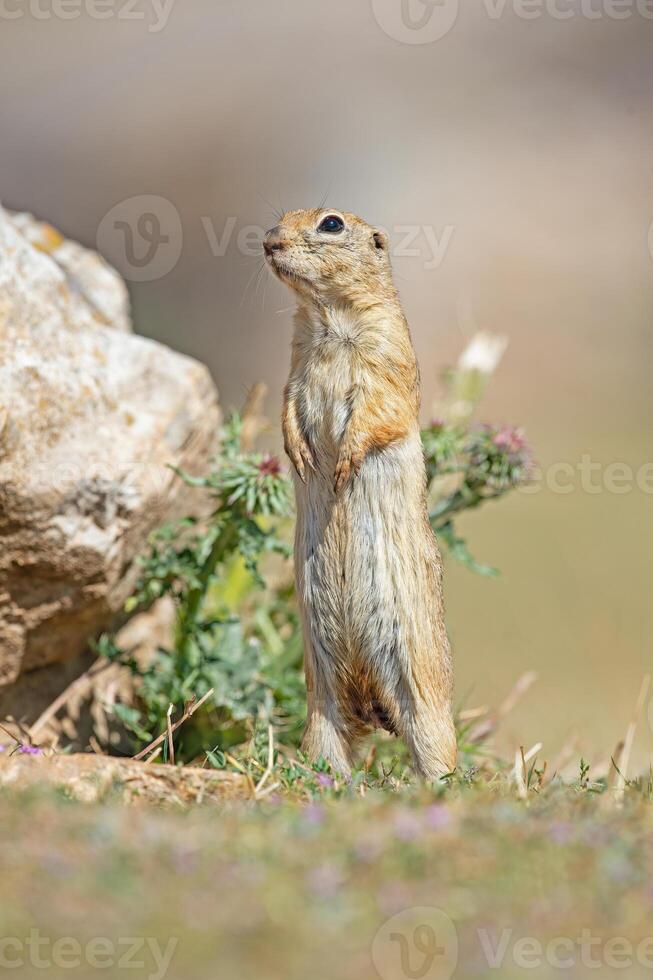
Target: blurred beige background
{"type": "Point", "coordinates": [516, 155]}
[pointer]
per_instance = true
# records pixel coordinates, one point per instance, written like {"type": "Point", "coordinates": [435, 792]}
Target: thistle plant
{"type": "Point", "coordinates": [215, 646]}
{"type": "Point", "coordinates": [467, 463]}
{"type": "Point", "coordinates": [235, 635]}
{"type": "Point", "coordinates": [467, 467]}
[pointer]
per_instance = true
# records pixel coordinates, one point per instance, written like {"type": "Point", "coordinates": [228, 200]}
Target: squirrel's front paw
{"type": "Point", "coordinates": [300, 456]}
{"type": "Point", "coordinates": [348, 463]}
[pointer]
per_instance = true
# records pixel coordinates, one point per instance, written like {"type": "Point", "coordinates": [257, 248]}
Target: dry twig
{"type": "Point", "coordinates": [488, 725]}
{"type": "Point", "coordinates": [190, 710]}
{"type": "Point", "coordinates": [628, 742]}
{"type": "Point", "coordinates": [171, 743]}
{"type": "Point", "coordinates": [270, 766]}
{"type": "Point", "coordinates": [79, 686]}
{"type": "Point", "coordinates": [253, 419]}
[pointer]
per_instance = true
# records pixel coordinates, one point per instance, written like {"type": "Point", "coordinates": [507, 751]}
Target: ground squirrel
{"type": "Point", "coordinates": [367, 564]}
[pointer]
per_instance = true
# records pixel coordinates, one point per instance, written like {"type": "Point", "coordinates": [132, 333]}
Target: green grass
{"type": "Point", "coordinates": [299, 883]}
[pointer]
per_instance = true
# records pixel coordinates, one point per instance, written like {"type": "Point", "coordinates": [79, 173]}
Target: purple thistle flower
{"type": "Point", "coordinates": [511, 440]}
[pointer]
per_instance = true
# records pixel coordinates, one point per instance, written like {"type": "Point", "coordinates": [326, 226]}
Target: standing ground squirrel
{"type": "Point", "coordinates": [367, 564]}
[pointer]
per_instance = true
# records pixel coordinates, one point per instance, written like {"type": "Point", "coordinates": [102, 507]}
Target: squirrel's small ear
{"type": "Point", "coordinates": [380, 239]}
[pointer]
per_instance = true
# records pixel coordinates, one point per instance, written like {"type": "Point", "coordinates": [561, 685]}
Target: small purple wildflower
{"type": "Point", "coordinates": [30, 750]}
{"type": "Point", "coordinates": [314, 814]}
{"type": "Point", "coordinates": [57, 865]}
{"type": "Point", "coordinates": [560, 832]}
{"type": "Point", "coordinates": [618, 868]}
{"type": "Point", "coordinates": [327, 782]}
{"type": "Point", "coordinates": [437, 817]}
{"type": "Point", "coordinates": [184, 859]}
{"type": "Point", "coordinates": [393, 897]}
{"type": "Point", "coordinates": [369, 849]}
{"type": "Point", "coordinates": [407, 826]}
{"type": "Point", "coordinates": [325, 880]}
{"type": "Point", "coordinates": [597, 836]}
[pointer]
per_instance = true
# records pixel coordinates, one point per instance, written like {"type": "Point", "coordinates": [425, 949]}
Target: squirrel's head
{"type": "Point", "coordinates": [328, 255]}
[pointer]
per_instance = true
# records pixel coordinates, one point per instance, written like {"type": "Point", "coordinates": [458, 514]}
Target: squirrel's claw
{"type": "Point", "coordinates": [341, 476]}
{"type": "Point", "coordinates": [307, 456]}
{"type": "Point", "coordinates": [348, 463]}
{"type": "Point", "coordinates": [301, 456]}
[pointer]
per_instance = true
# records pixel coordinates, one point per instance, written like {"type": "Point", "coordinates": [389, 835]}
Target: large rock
{"type": "Point", "coordinates": [91, 417]}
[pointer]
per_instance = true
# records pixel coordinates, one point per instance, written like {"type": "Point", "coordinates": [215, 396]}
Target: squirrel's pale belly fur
{"type": "Point", "coordinates": [368, 576]}
{"type": "Point", "coordinates": [367, 564]}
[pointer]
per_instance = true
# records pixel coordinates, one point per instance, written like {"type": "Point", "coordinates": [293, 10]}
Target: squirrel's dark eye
{"type": "Point", "coordinates": [331, 224]}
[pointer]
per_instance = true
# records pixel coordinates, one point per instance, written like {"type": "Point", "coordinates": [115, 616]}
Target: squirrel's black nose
{"type": "Point", "coordinates": [272, 241]}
